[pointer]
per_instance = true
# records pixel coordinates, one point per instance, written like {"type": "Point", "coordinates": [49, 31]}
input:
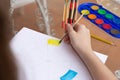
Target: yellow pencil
{"type": "Point", "coordinates": [64, 13]}
{"type": "Point", "coordinates": [101, 39]}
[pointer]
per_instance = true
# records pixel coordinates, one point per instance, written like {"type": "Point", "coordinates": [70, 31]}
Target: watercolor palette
{"type": "Point", "coordinates": [101, 17]}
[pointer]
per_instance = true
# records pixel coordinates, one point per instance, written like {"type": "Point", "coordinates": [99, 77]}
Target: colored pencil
{"type": "Point", "coordinates": [65, 12]}
{"type": "Point", "coordinates": [101, 39]}
{"type": "Point", "coordinates": [70, 10]}
{"type": "Point", "coordinates": [73, 8]}
{"type": "Point", "coordinates": [76, 14]}
{"type": "Point", "coordinates": [75, 11]}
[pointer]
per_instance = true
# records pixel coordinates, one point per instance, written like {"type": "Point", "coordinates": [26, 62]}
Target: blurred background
{"type": "Point", "coordinates": [26, 13]}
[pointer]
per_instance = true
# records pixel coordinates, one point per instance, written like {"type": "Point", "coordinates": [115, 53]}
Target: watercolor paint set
{"type": "Point", "coordinates": [101, 17]}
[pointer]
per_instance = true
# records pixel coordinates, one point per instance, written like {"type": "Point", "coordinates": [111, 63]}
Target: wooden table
{"type": "Point", "coordinates": [56, 8]}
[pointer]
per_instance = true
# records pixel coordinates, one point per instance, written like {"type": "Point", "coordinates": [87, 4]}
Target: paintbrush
{"type": "Point", "coordinates": [73, 26]}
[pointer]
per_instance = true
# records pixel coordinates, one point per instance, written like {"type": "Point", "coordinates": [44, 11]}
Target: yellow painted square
{"type": "Point", "coordinates": [53, 42]}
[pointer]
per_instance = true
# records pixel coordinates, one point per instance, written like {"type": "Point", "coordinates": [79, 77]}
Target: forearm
{"type": "Point", "coordinates": [97, 69]}
{"type": "Point", "coordinates": [81, 42]}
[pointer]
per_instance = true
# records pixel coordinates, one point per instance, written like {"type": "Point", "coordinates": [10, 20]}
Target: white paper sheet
{"type": "Point", "coordinates": [37, 60]}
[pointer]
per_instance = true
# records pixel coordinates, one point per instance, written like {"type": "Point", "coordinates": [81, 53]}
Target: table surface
{"type": "Point", "coordinates": [56, 10]}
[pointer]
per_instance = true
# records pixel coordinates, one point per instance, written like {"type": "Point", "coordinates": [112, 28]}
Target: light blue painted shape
{"type": "Point", "coordinates": [69, 75]}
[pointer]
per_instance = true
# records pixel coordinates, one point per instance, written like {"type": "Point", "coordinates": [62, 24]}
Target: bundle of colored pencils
{"type": "Point", "coordinates": [69, 12]}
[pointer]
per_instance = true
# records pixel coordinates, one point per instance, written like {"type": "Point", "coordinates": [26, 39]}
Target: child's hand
{"type": "Point", "coordinates": [79, 38]}
{"type": "Point", "coordinates": [81, 42]}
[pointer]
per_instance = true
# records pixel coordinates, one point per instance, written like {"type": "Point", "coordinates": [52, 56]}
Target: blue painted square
{"type": "Point", "coordinates": [69, 75]}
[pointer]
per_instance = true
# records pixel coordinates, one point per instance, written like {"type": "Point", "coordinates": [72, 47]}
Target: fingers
{"type": "Point", "coordinates": [69, 28]}
{"type": "Point", "coordinates": [81, 27]}
{"type": "Point", "coordinates": [76, 28]}
{"type": "Point", "coordinates": [67, 39]}
{"type": "Point", "coordinates": [70, 31]}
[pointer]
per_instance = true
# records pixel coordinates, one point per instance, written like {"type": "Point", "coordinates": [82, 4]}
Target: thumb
{"type": "Point", "coordinates": [81, 27]}
{"type": "Point", "coordinates": [69, 28]}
